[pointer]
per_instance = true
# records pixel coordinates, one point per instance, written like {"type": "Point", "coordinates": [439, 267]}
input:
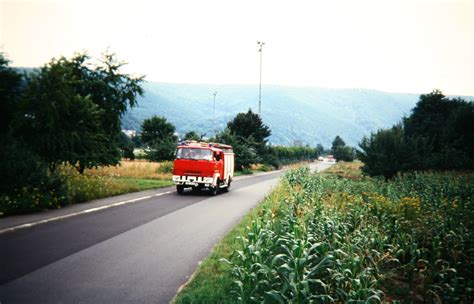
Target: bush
{"type": "Point", "coordinates": [278, 155]}
{"type": "Point", "coordinates": [165, 167]}
{"type": "Point", "coordinates": [161, 150]}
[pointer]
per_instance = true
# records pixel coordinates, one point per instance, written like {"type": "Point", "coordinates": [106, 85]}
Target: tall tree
{"type": "Point", "coordinates": [341, 151]}
{"type": "Point", "coordinates": [244, 148]}
{"type": "Point", "coordinates": [21, 169]}
{"type": "Point", "coordinates": [445, 125]}
{"type": "Point", "coordinates": [436, 136]}
{"type": "Point", "coordinates": [337, 142]}
{"type": "Point", "coordinates": [250, 126]}
{"type": "Point", "coordinates": [387, 152]}
{"type": "Point", "coordinates": [320, 149]}
{"type": "Point", "coordinates": [126, 146]}
{"type": "Point", "coordinates": [191, 135]}
{"type": "Point", "coordinates": [158, 134]}
{"type": "Point", "coordinates": [10, 92]}
{"type": "Point", "coordinates": [72, 110]}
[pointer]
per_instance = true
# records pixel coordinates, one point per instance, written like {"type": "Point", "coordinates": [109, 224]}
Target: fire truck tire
{"type": "Point", "coordinates": [226, 189]}
{"type": "Point", "coordinates": [179, 189]}
{"type": "Point", "coordinates": [214, 190]}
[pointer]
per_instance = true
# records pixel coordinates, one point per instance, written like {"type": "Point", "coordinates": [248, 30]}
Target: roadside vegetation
{"type": "Point", "coordinates": [396, 227]}
{"type": "Point", "coordinates": [437, 135]}
{"type": "Point", "coordinates": [340, 239]}
{"type": "Point", "coordinates": [70, 187]}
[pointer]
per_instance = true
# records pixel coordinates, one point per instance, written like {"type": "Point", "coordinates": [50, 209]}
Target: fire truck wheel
{"type": "Point", "coordinates": [214, 190]}
{"type": "Point", "coordinates": [226, 189]}
{"type": "Point", "coordinates": [179, 189]}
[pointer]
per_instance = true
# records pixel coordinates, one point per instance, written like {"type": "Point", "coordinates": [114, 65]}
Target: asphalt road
{"type": "Point", "coordinates": [133, 253]}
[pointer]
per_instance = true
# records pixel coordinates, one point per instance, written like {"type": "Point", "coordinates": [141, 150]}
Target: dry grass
{"type": "Point", "coordinates": [133, 169]}
{"type": "Point", "coordinates": [348, 170]}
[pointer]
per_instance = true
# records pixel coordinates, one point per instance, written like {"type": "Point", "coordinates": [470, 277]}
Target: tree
{"type": "Point", "coordinates": [72, 109]}
{"type": "Point", "coordinates": [244, 148]}
{"type": "Point", "coordinates": [340, 151]}
{"type": "Point", "coordinates": [320, 149]}
{"type": "Point", "coordinates": [389, 151]}
{"type": "Point", "coordinates": [19, 166]}
{"type": "Point", "coordinates": [22, 171]}
{"type": "Point", "coordinates": [344, 153]}
{"type": "Point", "coordinates": [191, 135]}
{"type": "Point", "coordinates": [158, 134]}
{"type": "Point", "coordinates": [337, 142]}
{"type": "Point", "coordinates": [126, 146]}
{"type": "Point", "coordinates": [446, 126]}
{"type": "Point", "coordinates": [436, 136]}
{"type": "Point", "coordinates": [247, 134]}
{"type": "Point", "coordinates": [137, 141]}
{"type": "Point", "coordinates": [249, 125]}
{"type": "Point", "coordinates": [10, 93]}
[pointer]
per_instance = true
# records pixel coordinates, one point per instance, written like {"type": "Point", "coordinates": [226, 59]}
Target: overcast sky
{"type": "Point", "coordinates": [398, 46]}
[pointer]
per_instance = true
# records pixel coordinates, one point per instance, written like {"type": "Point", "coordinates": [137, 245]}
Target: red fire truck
{"type": "Point", "coordinates": [200, 165]}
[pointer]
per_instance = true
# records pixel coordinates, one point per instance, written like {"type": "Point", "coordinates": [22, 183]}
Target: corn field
{"type": "Point", "coordinates": [332, 240]}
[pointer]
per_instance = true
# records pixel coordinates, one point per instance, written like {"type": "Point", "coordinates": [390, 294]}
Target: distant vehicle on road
{"type": "Point", "coordinates": [331, 159]}
{"type": "Point", "coordinates": [320, 158]}
{"type": "Point", "coordinates": [200, 165]}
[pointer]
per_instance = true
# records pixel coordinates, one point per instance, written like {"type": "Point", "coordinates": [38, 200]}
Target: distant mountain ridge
{"type": "Point", "coordinates": [309, 115]}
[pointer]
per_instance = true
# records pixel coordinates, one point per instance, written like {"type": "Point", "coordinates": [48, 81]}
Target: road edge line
{"type": "Point", "coordinates": [90, 210]}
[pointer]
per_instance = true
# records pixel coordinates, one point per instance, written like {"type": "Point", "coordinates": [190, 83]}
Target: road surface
{"type": "Point", "coordinates": [136, 248]}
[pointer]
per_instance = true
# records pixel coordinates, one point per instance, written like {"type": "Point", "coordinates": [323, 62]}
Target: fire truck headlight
{"type": "Point", "coordinates": [176, 177]}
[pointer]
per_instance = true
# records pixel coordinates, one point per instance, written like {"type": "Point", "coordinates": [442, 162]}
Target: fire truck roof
{"type": "Point", "coordinates": [196, 144]}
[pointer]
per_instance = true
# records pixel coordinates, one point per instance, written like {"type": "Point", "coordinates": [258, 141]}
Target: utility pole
{"type": "Point", "coordinates": [261, 44]}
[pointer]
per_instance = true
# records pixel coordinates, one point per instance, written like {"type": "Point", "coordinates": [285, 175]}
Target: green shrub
{"type": "Point", "coordinates": [165, 167]}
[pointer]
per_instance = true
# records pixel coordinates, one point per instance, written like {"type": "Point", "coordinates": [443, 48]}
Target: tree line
{"type": "Point", "coordinates": [437, 135]}
{"type": "Point", "coordinates": [246, 133]}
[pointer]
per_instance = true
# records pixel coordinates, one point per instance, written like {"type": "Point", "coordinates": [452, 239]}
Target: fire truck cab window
{"type": "Point", "coordinates": [193, 153]}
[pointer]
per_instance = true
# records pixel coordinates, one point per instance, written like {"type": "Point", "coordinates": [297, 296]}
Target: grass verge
{"type": "Point", "coordinates": [66, 186]}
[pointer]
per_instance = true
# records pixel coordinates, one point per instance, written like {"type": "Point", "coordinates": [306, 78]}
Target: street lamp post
{"type": "Point", "coordinates": [261, 44]}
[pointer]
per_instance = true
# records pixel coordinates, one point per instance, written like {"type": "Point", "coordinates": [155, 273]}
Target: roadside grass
{"type": "Point", "coordinates": [141, 169]}
{"type": "Point", "coordinates": [341, 237]}
{"type": "Point", "coordinates": [67, 186]}
{"type": "Point", "coordinates": [110, 181]}
{"type": "Point", "coordinates": [259, 168]}
{"type": "Point", "coordinates": [140, 184]}
{"type": "Point", "coordinates": [347, 170]}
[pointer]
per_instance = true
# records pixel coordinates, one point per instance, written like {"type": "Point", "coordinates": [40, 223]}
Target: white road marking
{"type": "Point", "coordinates": [27, 225]}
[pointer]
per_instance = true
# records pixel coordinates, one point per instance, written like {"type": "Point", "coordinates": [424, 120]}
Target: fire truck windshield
{"type": "Point", "coordinates": [193, 153]}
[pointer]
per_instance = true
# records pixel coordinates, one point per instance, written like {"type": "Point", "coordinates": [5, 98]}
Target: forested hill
{"type": "Point", "coordinates": [309, 114]}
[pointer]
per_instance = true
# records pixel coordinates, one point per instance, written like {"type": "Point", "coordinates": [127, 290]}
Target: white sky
{"type": "Point", "coordinates": [400, 46]}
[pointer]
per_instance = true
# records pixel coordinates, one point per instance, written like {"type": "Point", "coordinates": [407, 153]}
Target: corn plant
{"type": "Point", "coordinates": [336, 240]}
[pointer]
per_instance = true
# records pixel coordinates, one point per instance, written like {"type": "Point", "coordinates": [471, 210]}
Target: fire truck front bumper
{"type": "Point", "coordinates": [193, 181]}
